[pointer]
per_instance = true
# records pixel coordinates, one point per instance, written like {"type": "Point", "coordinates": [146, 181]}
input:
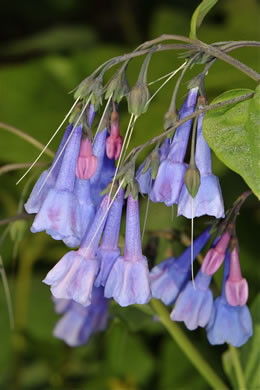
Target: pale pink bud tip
{"type": "Point", "coordinates": [236, 292]}
{"type": "Point", "coordinates": [114, 146]}
{"type": "Point", "coordinates": [215, 256]}
{"type": "Point", "coordinates": [87, 162]}
{"type": "Point", "coordinates": [236, 287]}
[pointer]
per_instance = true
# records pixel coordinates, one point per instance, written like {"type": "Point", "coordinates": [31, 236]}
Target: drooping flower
{"type": "Point", "coordinates": [170, 176]}
{"type": "Point", "coordinates": [169, 277]}
{"type": "Point", "coordinates": [194, 304]}
{"type": "Point", "coordinates": [229, 324]}
{"type": "Point", "coordinates": [108, 251]}
{"type": "Point", "coordinates": [36, 198]}
{"type": "Point", "coordinates": [73, 276]}
{"type": "Point", "coordinates": [236, 287]}
{"type": "Point", "coordinates": [59, 214]}
{"type": "Point", "coordinates": [114, 142]}
{"type": "Point", "coordinates": [208, 199]}
{"type": "Point", "coordinates": [128, 280]}
{"type": "Point", "coordinates": [78, 323]}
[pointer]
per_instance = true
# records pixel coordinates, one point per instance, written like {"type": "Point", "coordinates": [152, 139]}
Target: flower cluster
{"type": "Point", "coordinates": [74, 202]}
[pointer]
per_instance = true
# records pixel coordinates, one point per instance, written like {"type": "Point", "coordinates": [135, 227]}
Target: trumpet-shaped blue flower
{"type": "Point", "coordinates": [169, 277]}
{"type": "Point", "coordinates": [209, 197]}
{"type": "Point", "coordinates": [36, 198]}
{"type": "Point", "coordinates": [59, 214]}
{"type": "Point", "coordinates": [78, 322]}
{"type": "Point", "coordinates": [128, 280]}
{"type": "Point", "coordinates": [108, 250]}
{"type": "Point", "coordinates": [170, 176]}
{"type": "Point", "coordinates": [229, 324]}
{"type": "Point", "coordinates": [194, 304]}
{"type": "Point", "coordinates": [73, 276]}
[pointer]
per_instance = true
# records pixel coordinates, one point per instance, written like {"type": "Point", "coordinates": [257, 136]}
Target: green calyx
{"type": "Point", "coordinates": [192, 180]}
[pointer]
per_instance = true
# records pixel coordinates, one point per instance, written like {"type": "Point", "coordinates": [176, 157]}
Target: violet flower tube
{"type": "Point", "coordinates": [59, 214]}
{"type": "Point", "coordinates": [108, 250]}
{"type": "Point", "coordinates": [73, 276]}
{"type": "Point", "coordinates": [145, 180]}
{"type": "Point", "coordinates": [36, 198]}
{"type": "Point", "coordinates": [169, 277]}
{"type": "Point", "coordinates": [128, 280]}
{"type": "Point", "coordinates": [229, 324]}
{"type": "Point", "coordinates": [170, 176]}
{"type": "Point", "coordinates": [78, 323]}
{"type": "Point", "coordinates": [86, 205]}
{"type": "Point", "coordinates": [209, 198]}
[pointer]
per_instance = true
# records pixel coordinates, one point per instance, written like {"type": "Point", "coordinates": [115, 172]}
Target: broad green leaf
{"type": "Point", "coordinates": [233, 134]}
{"type": "Point", "coordinates": [198, 16]}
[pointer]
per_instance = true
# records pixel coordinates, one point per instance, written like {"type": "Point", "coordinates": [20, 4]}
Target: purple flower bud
{"type": "Point", "coordinates": [230, 324]}
{"type": "Point", "coordinates": [108, 250]}
{"type": "Point", "coordinates": [208, 199]}
{"type": "Point", "coordinates": [215, 256]}
{"type": "Point", "coordinates": [73, 276]}
{"type": "Point", "coordinates": [170, 176]}
{"type": "Point", "coordinates": [91, 114]}
{"type": "Point", "coordinates": [236, 287]}
{"type": "Point", "coordinates": [59, 214]}
{"type": "Point", "coordinates": [36, 198]}
{"type": "Point", "coordinates": [79, 322]}
{"type": "Point", "coordinates": [128, 281]}
{"type": "Point", "coordinates": [194, 305]}
{"type": "Point", "coordinates": [169, 277]}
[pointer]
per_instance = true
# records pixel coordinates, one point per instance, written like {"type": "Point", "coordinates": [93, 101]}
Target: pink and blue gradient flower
{"type": "Point", "coordinates": [109, 251]}
{"type": "Point", "coordinates": [74, 275]}
{"type": "Point", "coordinates": [209, 198]}
{"type": "Point", "coordinates": [59, 214]}
{"type": "Point", "coordinates": [194, 304]}
{"type": "Point", "coordinates": [170, 176]}
{"type": "Point", "coordinates": [128, 281]}
{"type": "Point", "coordinates": [78, 323]}
{"type": "Point", "coordinates": [229, 324]}
{"type": "Point", "coordinates": [36, 198]}
{"type": "Point", "coordinates": [170, 276]}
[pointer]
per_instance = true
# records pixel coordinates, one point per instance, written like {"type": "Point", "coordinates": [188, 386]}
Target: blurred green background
{"type": "Point", "coordinates": [46, 49]}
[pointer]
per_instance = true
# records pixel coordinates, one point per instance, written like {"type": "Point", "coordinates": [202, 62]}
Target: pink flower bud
{"type": "Point", "coordinates": [236, 287]}
{"type": "Point", "coordinates": [215, 256]}
{"type": "Point", "coordinates": [114, 142]}
{"type": "Point", "coordinates": [87, 162]}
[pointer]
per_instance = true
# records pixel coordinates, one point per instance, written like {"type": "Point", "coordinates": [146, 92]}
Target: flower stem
{"type": "Point", "coordinates": [237, 367]}
{"type": "Point", "coordinates": [187, 347]}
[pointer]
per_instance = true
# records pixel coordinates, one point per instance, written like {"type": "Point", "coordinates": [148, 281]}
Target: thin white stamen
{"type": "Point", "coordinates": [121, 153]}
{"type": "Point", "coordinates": [166, 81]}
{"type": "Point", "coordinates": [192, 220]}
{"type": "Point", "coordinates": [103, 115]}
{"type": "Point", "coordinates": [48, 143]}
{"type": "Point", "coordinates": [62, 150]}
{"type": "Point", "coordinates": [7, 294]}
{"type": "Point", "coordinates": [146, 216]}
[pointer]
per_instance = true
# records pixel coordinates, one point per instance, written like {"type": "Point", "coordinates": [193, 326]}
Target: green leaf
{"type": "Point", "coordinates": [198, 16]}
{"type": "Point", "coordinates": [233, 134]}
